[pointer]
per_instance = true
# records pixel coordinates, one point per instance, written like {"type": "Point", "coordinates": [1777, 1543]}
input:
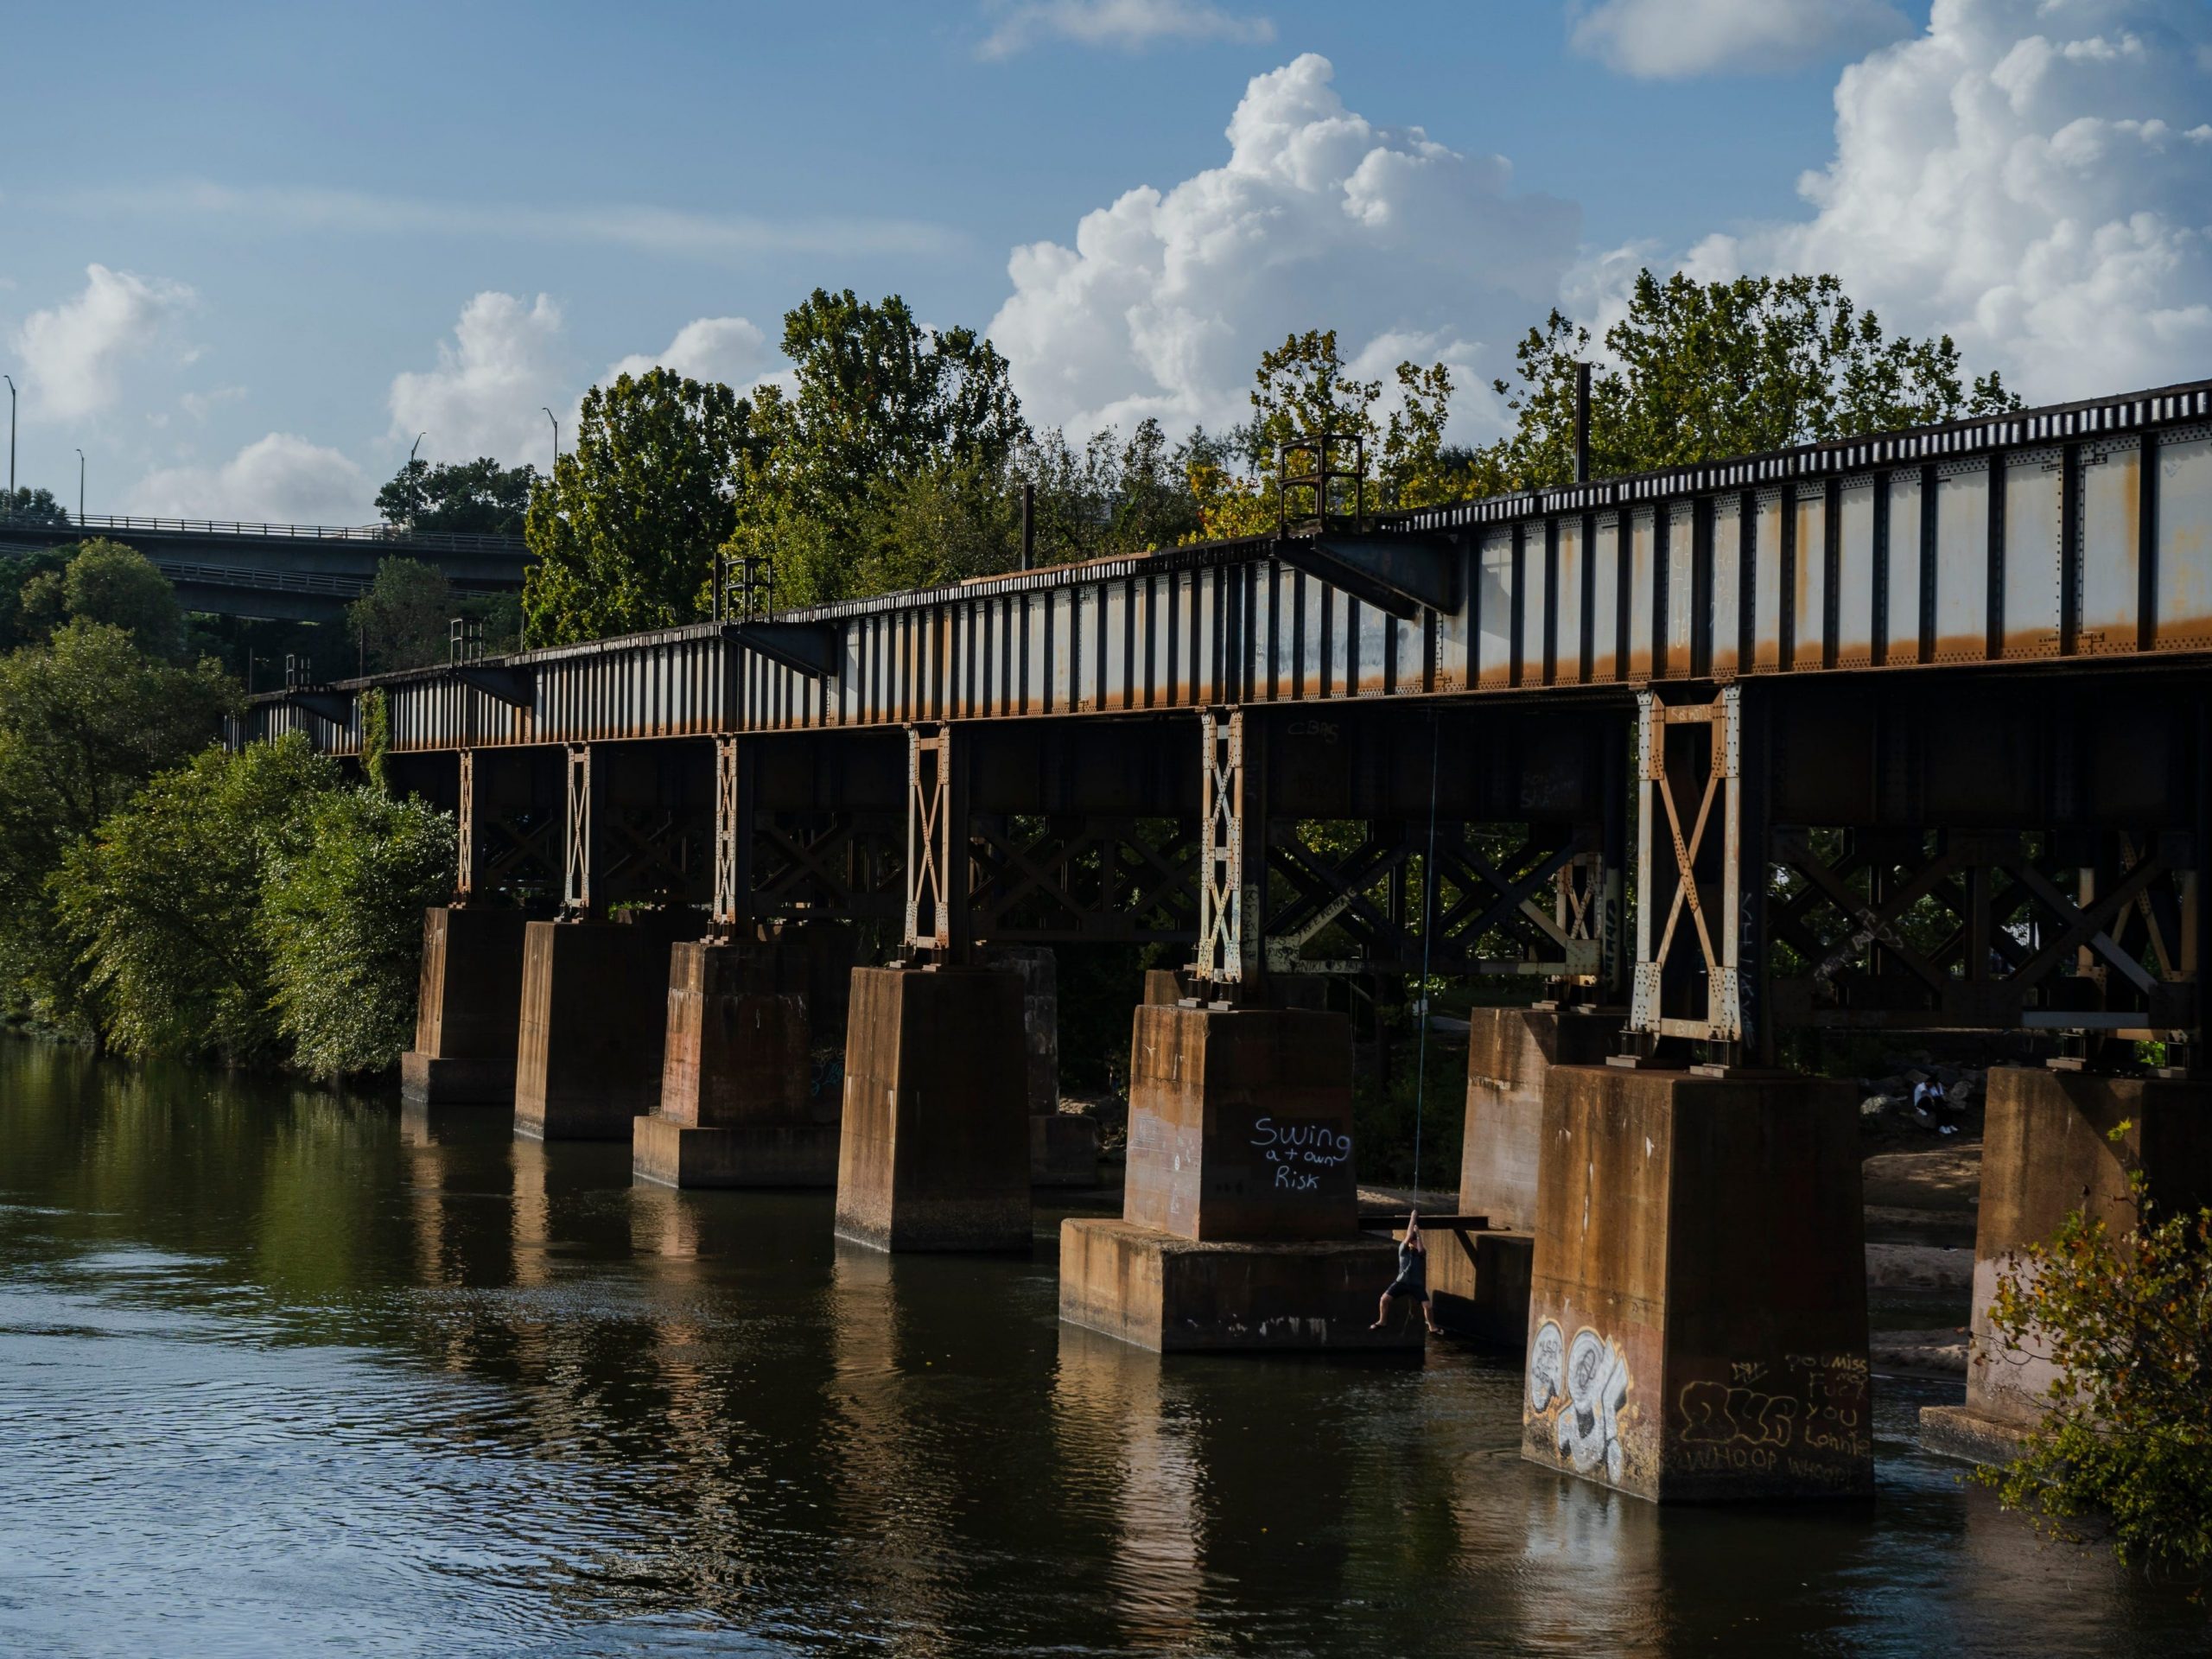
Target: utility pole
{"type": "Point", "coordinates": [556, 438]}
{"type": "Point", "coordinates": [10, 379]}
{"type": "Point", "coordinates": [80, 489]}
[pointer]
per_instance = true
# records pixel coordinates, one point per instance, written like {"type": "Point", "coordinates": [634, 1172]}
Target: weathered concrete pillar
{"type": "Point", "coordinates": [1239, 1224]}
{"type": "Point", "coordinates": [469, 1009]}
{"type": "Point", "coordinates": [595, 1024]}
{"type": "Point", "coordinates": [735, 1105]}
{"type": "Point", "coordinates": [1062, 1149]}
{"type": "Point", "coordinates": [2047, 1150]}
{"type": "Point", "coordinates": [1698, 1301]}
{"type": "Point", "coordinates": [1479, 1282]}
{"type": "Point", "coordinates": [934, 1147]}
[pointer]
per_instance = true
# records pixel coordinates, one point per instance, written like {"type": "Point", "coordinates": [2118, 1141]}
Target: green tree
{"type": "Point", "coordinates": [626, 534]}
{"type": "Point", "coordinates": [29, 605]}
{"type": "Point", "coordinates": [1699, 371]}
{"type": "Point", "coordinates": [85, 720]}
{"type": "Point", "coordinates": [106, 581]}
{"type": "Point", "coordinates": [163, 899]}
{"type": "Point", "coordinates": [29, 506]}
{"type": "Point", "coordinates": [404, 619]}
{"type": "Point", "coordinates": [341, 915]}
{"type": "Point", "coordinates": [2125, 1446]}
{"type": "Point", "coordinates": [885, 417]}
{"type": "Point", "coordinates": [479, 497]}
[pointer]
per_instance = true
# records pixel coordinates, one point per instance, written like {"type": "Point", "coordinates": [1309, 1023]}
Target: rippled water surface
{"type": "Point", "coordinates": [282, 1372]}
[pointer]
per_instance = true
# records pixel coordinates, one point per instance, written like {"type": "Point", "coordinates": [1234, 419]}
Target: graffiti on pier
{"type": "Point", "coordinates": [1300, 1152]}
{"type": "Point", "coordinates": [1582, 1388]}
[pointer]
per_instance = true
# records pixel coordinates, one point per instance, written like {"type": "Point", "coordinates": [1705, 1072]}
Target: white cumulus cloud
{"type": "Point", "coordinates": [727, 349]}
{"type": "Point", "coordinates": [73, 355]}
{"type": "Point", "coordinates": [1318, 218]}
{"type": "Point", "coordinates": [1663, 39]}
{"type": "Point", "coordinates": [1131, 25]}
{"type": "Point", "coordinates": [495, 379]}
{"type": "Point", "coordinates": [280, 479]}
{"type": "Point", "coordinates": [2033, 177]}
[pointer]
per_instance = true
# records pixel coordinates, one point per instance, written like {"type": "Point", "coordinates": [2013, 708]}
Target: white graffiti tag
{"type": "Point", "coordinates": [1589, 1382]}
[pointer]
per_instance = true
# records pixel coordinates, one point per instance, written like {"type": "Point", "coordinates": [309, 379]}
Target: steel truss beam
{"type": "Point", "coordinates": [1067, 878]}
{"type": "Point", "coordinates": [1978, 930]}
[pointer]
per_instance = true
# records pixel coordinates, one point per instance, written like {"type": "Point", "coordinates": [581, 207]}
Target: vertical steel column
{"type": "Point", "coordinates": [467, 855]}
{"type": "Point", "coordinates": [1676, 855]}
{"type": "Point", "coordinates": [1232, 849]}
{"type": "Point", "coordinates": [938, 913]}
{"type": "Point", "coordinates": [734, 814]}
{"type": "Point", "coordinates": [586, 834]}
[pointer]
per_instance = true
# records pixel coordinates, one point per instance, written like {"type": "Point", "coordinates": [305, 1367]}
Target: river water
{"type": "Point", "coordinates": [286, 1372]}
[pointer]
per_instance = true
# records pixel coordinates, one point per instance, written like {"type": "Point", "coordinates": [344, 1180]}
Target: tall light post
{"type": "Point", "coordinates": [556, 438]}
{"type": "Point", "coordinates": [80, 488]}
{"type": "Point", "coordinates": [10, 379]}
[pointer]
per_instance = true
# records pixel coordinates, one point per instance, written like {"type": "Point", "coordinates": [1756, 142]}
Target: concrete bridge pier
{"type": "Point", "coordinates": [2047, 1150]}
{"type": "Point", "coordinates": [467, 1017]}
{"type": "Point", "coordinates": [1478, 1281]}
{"type": "Point", "coordinates": [934, 1147]}
{"type": "Point", "coordinates": [1063, 1148]}
{"type": "Point", "coordinates": [1239, 1226]}
{"type": "Point", "coordinates": [736, 1104]}
{"type": "Point", "coordinates": [1698, 1295]}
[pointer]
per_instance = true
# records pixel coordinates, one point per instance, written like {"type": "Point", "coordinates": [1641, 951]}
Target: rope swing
{"type": "Point", "coordinates": [1427, 915]}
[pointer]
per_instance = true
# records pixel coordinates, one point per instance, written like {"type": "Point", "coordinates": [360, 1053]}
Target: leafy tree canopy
{"type": "Point", "coordinates": [626, 534]}
{"type": "Point", "coordinates": [479, 498]}
{"type": "Point", "coordinates": [163, 899]}
{"type": "Point", "coordinates": [28, 505]}
{"type": "Point", "coordinates": [1700, 371]}
{"type": "Point", "coordinates": [405, 618]}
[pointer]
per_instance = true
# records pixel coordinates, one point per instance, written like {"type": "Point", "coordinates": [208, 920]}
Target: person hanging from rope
{"type": "Point", "coordinates": [1412, 1277]}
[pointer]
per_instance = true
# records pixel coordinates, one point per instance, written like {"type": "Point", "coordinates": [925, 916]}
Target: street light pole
{"type": "Point", "coordinates": [413, 447]}
{"type": "Point", "coordinates": [556, 438]}
{"type": "Point", "coordinates": [80, 489]}
{"type": "Point", "coordinates": [10, 379]}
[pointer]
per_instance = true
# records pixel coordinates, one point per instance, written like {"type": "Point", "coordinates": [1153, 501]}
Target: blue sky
{"type": "Point", "coordinates": [294, 211]}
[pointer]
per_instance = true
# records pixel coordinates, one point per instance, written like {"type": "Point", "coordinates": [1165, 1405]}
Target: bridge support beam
{"type": "Point", "coordinates": [467, 1014]}
{"type": "Point", "coordinates": [1239, 1224]}
{"type": "Point", "coordinates": [1062, 1149]}
{"type": "Point", "coordinates": [735, 1105]}
{"type": "Point", "coordinates": [1698, 1303]}
{"type": "Point", "coordinates": [2047, 1150]}
{"type": "Point", "coordinates": [934, 1147]}
{"type": "Point", "coordinates": [1478, 1281]}
{"type": "Point", "coordinates": [594, 1024]}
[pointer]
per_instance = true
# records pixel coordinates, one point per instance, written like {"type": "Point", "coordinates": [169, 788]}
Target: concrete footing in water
{"type": "Point", "coordinates": [1239, 1228]}
{"type": "Point", "coordinates": [936, 1141]}
{"type": "Point", "coordinates": [1062, 1149]}
{"type": "Point", "coordinates": [735, 1109]}
{"type": "Point", "coordinates": [468, 1008]}
{"type": "Point", "coordinates": [2048, 1149]}
{"type": "Point", "coordinates": [595, 1024]}
{"type": "Point", "coordinates": [1698, 1294]}
{"type": "Point", "coordinates": [1479, 1282]}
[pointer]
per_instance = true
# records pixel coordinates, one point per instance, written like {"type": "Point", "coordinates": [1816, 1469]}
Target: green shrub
{"type": "Point", "coordinates": [164, 897]}
{"type": "Point", "coordinates": [341, 914]}
{"type": "Point", "coordinates": [2124, 1450]}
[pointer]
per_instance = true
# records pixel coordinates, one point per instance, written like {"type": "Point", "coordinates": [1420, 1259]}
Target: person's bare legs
{"type": "Point", "coordinates": [1429, 1318]}
{"type": "Point", "coordinates": [1381, 1312]}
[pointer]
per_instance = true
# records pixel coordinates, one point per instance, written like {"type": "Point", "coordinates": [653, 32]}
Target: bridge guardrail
{"type": "Point", "coordinates": [444, 541]}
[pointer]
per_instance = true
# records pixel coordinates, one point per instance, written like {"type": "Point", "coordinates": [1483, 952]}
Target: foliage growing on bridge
{"type": "Point", "coordinates": [2125, 1449]}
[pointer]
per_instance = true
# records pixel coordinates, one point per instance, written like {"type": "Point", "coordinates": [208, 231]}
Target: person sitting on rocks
{"type": "Point", "coordinates": [1413, 1276]}
{"type": "Point", "coordinates": [1933, 1107]}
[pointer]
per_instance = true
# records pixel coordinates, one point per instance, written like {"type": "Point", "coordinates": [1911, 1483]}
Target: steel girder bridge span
{"type": "Point", "coordinates": [1902, 735]}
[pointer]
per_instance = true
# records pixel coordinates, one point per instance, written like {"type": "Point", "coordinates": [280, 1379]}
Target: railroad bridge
{"type": "Point", "coordinates": [1906, 733]}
